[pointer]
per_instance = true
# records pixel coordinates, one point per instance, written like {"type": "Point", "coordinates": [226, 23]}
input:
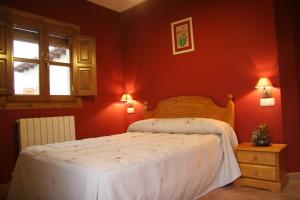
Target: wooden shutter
{"type": "Point", "coordinates": [84, 66]}
{"type": "Point", "coordinates": [5, 57]}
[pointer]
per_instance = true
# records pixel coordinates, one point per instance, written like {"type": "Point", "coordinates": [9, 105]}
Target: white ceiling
{"type": "Point", "coordinates": [117, 5]}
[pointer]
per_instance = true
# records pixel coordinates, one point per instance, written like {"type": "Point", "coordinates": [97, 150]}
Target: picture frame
{"type": "Point", "coordinates": [182, 36]}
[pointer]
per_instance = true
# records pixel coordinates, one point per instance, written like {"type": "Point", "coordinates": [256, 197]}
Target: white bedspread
{"type": "Point", "coordinates": [132, 165]}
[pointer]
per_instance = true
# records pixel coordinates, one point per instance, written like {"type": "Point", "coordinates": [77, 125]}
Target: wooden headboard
{"type": "Point", "coordinates": [192, 106]}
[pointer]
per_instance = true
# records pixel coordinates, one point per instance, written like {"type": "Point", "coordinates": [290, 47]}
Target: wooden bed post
{"type": "Point", "coordinates": [231, 111]}
{"type": "Point", "coordinates": [145, 109]}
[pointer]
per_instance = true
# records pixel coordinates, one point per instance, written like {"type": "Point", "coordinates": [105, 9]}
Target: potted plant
{"type": "Point", "coordinates": [260, 136]}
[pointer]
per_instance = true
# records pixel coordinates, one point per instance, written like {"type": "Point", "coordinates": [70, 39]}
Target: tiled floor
{"type": "Point", "coordinates": [291, 192]}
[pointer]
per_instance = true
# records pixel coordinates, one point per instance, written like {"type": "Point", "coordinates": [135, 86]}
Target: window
{"type": "Point", "coordinates": [43, 62]}
{"type": "Point", "coordinates": [26, 62]}
{"type": "Point", "coordinates": [59, 65]}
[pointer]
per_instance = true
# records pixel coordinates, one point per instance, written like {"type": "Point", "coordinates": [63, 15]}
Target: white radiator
{"type": "Point", "coordinates": [46, 130]}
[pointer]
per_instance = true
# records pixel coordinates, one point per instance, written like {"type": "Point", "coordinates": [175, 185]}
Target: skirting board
{"type": "Point", "coordinates": [4, 187]}
{"type": "Point", "coordinates": [294, 176]}
{"type": "Point", "coordinates": [3, 191]}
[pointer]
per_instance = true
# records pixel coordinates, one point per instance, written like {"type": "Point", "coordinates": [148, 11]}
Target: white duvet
{"type": "Point", "coordinates": [143, 163]}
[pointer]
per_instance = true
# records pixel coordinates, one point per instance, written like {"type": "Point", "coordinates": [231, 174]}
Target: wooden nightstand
{"type": "Point", "coordinates": [262, 167]}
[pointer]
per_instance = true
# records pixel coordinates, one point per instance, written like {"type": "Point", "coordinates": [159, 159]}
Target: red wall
{"type": "Point", "coordinates": [288, 39]}
{"type": "Point", "coordinates": [235, 44]}
{"type": "Point", "coordinates": [99, 115]}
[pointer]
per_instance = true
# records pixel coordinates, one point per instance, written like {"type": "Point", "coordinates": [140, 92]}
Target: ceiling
{"type": "Point", "coordinates": [117, 5]}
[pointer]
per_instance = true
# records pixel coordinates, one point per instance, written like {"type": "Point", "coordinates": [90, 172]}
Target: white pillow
{"type": "Point", "coordinates": [178, 125]}
{"type": "Point", "coordinates": [147, 125]}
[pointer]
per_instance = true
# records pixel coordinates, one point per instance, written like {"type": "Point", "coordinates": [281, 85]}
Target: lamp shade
{"type": "Point", "coordinates": [126, 97]}
{"type": "Point", "coordinates": [264, 83]}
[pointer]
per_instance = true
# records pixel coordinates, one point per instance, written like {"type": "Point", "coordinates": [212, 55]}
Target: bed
{"type": "Point", "coordinates": [182, 150]}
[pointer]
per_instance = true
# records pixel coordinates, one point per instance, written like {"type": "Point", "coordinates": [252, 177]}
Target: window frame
{"type": "Point", "coordinates": [45, 26]}
{"type": "Point", "coordinates": [43, 29]}
{"type": "Point", "coordinates": [33, 25]}
{"type": "Point", "coordinates": [69, 34]}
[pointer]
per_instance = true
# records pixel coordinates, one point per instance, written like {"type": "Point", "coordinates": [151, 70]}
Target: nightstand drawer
{"type": "Point", "coordinates": [254, 157]}
{"type": "Point", "coordinates": [259, 172]}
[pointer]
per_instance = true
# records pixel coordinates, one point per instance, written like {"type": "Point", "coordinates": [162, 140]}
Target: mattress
{"type": "Point", "coordinates": [133, 165]}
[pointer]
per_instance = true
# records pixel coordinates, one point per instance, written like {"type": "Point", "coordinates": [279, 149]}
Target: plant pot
{"type": "Point", "coordinates": [262, 143]}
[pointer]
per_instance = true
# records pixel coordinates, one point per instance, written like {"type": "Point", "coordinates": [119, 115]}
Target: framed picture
{"type": "Point", "coordinates": [182, 36]}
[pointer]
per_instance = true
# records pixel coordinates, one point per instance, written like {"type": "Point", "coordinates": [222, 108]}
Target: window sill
{"type": "Point", "coordinates": [6, 105]}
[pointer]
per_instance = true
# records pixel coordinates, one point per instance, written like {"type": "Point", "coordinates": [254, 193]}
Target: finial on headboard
{"type": "Point", "coordinates": [146, 105]}
{"type": "Point", "coordinates": [230, 107]}
{"type": "Point", "coordinates": [146, 112]}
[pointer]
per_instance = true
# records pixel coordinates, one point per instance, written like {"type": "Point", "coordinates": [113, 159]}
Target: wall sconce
{"type": "Point", "coordinates": [266, 86]}
{"type": "Point", "coordinates": [127, 99]}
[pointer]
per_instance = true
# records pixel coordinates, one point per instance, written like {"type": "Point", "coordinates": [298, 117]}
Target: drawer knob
{"type": "Point", "coordinates": [255, 173]}
{"type": "Point", "coordinates": [254, 158]}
